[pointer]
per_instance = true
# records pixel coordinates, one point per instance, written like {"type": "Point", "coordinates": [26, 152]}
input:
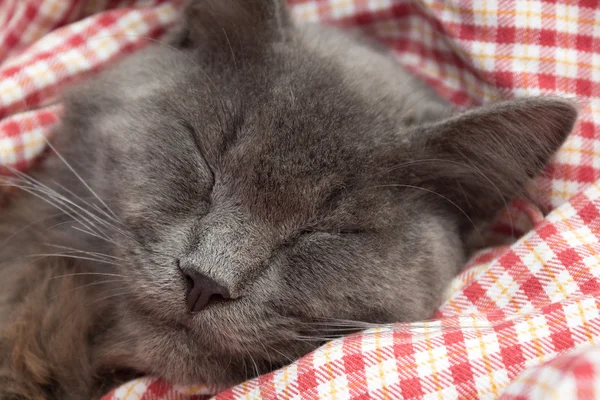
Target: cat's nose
{"type": "Point", "coordinates": [202, 290]}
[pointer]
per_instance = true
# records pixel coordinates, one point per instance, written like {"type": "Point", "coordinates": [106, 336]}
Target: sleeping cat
{"type": "Point", "coordinates": [216, 207]}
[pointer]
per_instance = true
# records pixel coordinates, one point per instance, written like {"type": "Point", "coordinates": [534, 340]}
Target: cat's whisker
{"type": "Point", "coordinates": [413, 327]}
{"type": "Point", "coordinates": [360, 325]}
{"type": "Point", "coordinates": [264, 346]}
{"type": "Point", "coordinates": [475, 228]}
{"type": "Point", "coordinates": [325, 321]}
{"type": "Point", "coordinates": [289, 359]}
{"type": "Point", "coordinates": [470, 167]}
{"type": "Point", "coordinates": [97, 256]}
{"type": "Point", "coordinates": [60, 224]}
{"type": "Point", "coordinates": [123, 293]}
{"type": "Point", "coordinates": [256, 369]}
{"type": "Point", "coordinates": [348, 327]}
{"type": "Point", "coordinates": [97, 236]}
{"type": "Point", "coordinates": [97, 232]}
{"type": "Point", "coordinates": [37, 186]}
{"type": "Point", "coordinates": [248, 356]}
{"type": "Point", "coordinates": [87, 285]}
{"type": "Point", "coordinates": [83, 251]}
{"type": "Point", "coordinates": [54, 194]}
{"type": "Point", "coordinates": [332, 327]}
{"type": "Point", "coordinates": [317, 339]}
{"type": "Point", "coordinates": [94, 234]}
{"type": "Point", "coordinates": [52, 200]}
{"type": "Point", "coordinates": [94, 206]}
{"type": "Point", "coordinates": [65, 255]}
{"type": "Point", "coordinates": [338, 330]}
{"type": "Point", "coordinates": [341, 321]}
{"type": "Point", "coordinates": [79, 177]}
{"type": "Point", "coordinates": [87, 273]}
{"type": "Point", "coordinates": [227, 367]}
{"type": "Point", "coordinates": [93, 216]}
{"type": "Point", "coordinates": [231, 48]}
{"type": "Point", "coordinates": [28, 226]}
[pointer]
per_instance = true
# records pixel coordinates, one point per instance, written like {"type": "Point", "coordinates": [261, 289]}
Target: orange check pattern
{"type": "Point", "coordinates": [523, 320]}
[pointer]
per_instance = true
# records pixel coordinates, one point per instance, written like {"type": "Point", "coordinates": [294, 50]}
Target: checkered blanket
{"type": "Point", "coordinates": [522, 320]}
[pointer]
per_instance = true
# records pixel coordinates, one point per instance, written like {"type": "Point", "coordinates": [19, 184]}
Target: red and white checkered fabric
{"type": "Point", "coordinates": [515, 308]}
{"type": "Point", "coordinates": [570, 376]}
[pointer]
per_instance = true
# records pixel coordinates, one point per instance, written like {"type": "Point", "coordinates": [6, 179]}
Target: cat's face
{"type": "Point", "coordinates": [250, 159]}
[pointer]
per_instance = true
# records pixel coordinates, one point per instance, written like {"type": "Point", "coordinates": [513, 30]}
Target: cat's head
{"type": "Point", "coordinates": [282, 188]}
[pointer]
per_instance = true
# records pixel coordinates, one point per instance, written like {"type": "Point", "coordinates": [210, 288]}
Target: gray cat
{"type": "Point", "coordinates": [218, 207]}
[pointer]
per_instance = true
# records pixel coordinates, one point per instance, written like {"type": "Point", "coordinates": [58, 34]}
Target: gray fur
{"type": "Point", "coordinates": [299, 167]}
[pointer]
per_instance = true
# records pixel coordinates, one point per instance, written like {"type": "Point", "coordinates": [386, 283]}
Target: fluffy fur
{"type": "Point", "coordinates": [298, 167]}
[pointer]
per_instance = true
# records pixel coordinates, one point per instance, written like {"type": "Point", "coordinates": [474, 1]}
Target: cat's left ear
{"type": "Point", "coordinates": [482, 158]}
{"type": "Point", "coordinates": [233, 28]}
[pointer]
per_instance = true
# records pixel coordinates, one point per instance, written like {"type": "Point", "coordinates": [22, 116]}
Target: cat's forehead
{"type": "Point", "coordinates": [292, 158]}
{"type": "Point", "coordinates": [284, 135]}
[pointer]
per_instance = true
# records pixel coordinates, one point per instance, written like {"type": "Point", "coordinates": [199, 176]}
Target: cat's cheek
{"type": "Point", "coordinates": [161, 296]}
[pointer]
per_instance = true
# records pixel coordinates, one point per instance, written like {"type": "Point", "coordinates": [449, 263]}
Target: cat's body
{"type": "Point", "coordinates": [303, 174]}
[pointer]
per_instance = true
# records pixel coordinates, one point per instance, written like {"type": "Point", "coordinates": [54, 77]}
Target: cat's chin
{"type": "Point", "coordinates": [172, 353]}
{"type": "Point", "coordinates": [182, 350]}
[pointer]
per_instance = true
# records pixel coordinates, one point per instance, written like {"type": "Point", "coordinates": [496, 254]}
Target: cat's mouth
{"type": "Point", "coordinates": [192, 321]}
{"type": "Point", "coordinates": [186, 324]}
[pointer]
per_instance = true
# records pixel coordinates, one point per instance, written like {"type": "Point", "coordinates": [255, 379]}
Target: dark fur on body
{"type": "Point", "coordinates": [298, 167]}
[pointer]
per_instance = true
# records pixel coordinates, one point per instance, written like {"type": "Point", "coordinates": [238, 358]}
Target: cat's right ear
{"type": "Point", "coordinates": [233, 28]}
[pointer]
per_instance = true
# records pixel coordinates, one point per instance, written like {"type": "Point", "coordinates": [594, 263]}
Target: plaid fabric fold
{"type": "Point", "coordinates": [522, 320]}
{"type": "Point", "coordinates": [573, 375]}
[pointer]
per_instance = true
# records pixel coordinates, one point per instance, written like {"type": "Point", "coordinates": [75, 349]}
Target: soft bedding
{"type": "Point", "coordinates": [523, 320]}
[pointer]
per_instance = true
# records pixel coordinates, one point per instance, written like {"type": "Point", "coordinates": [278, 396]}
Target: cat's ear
{"type": "Point", "coordinates": [235, 28]}
{"type": "Point", "coordinates": [487, 155]}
